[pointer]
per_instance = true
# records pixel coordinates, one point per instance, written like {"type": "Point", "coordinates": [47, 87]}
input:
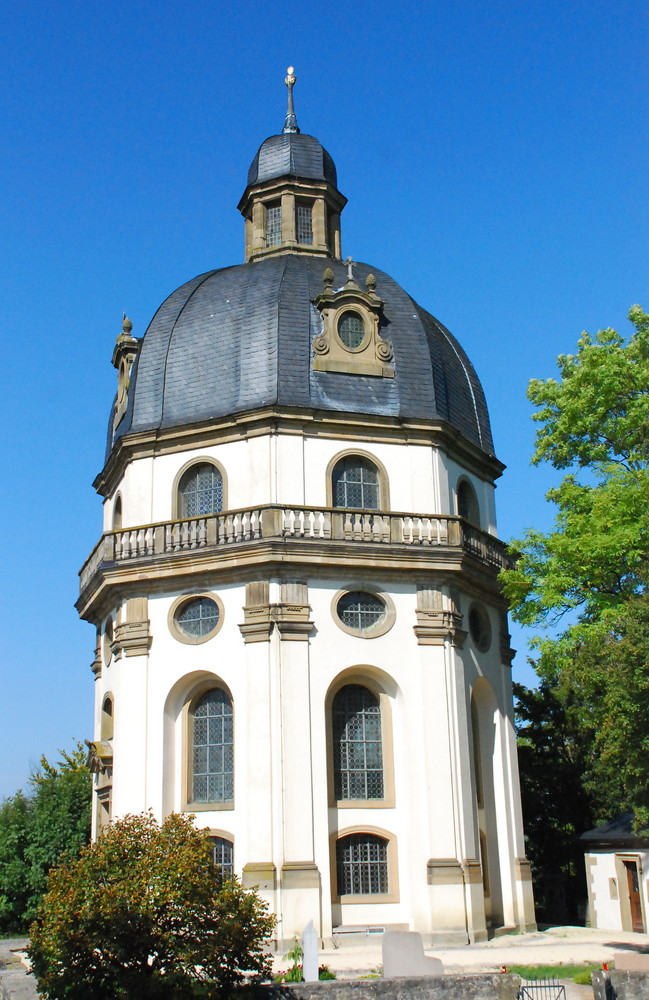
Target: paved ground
{"type": "Point", "coordinates": [558, 945]}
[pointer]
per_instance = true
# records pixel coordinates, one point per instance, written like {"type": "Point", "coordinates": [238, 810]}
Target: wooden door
{"type": "Point", "coordinates": [633, 884]}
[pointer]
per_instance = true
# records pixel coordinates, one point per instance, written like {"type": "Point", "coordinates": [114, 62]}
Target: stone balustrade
{"type": "Point", "coordinates": [273, 521]}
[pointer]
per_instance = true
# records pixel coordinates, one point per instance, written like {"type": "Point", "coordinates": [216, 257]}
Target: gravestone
{"type": "Point", "coordinates": [310, 953]}
{"type": "Point", "coordinates": [403, 955]}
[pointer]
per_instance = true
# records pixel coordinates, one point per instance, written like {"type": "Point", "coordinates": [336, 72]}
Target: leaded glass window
{"type": "Point", "coordinates": [273, 225]}
{"type": "Point", "coordinates": [212, 748]}
{"type": "Point", "coordinates": [351, 330]}
{"type": "Point", "coordinates": [198, 617]}
{"type": "Point", "coordinates": [304, 224]}
{"type": "Point", "coordinates": [362, 865]}
{"type": "Point", "coordinates": [201, 491]}
{"type": "Point", "coordinates": [356, 484]}
{"type": "Point", "coordinates": [360, 611]}
{"type": "Point", "coordinates": [357, 748]}
{"type": "Point", "coordinates": [222, 855]}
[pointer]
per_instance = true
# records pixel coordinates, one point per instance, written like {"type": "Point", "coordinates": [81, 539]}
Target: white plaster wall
{"type": "Point", "coordinates": [291, 469]}
{"type": "Point", "coordinates": [149, 693]}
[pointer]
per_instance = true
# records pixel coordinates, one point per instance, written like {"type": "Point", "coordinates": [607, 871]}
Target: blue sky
{"type": "Point", "coordinates": [495, 160]}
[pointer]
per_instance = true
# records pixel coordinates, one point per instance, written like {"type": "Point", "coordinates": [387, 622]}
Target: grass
{"type": "Point", "coordinates": [578, 973]}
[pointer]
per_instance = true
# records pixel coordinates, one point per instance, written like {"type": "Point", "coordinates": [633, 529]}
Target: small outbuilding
{"type": "Point", "coordinates": [617, 873]}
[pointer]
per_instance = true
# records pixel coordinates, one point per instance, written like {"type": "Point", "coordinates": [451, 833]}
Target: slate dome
{"type": "Point", "coordinates": [292, 155]}
{"type": "Point", "coordinates": [240, 338]}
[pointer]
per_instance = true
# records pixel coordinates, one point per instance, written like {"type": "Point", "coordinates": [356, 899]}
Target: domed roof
{"type": "Point", "coordinates": [292, 155]}
{"type": "Point", "coordinates": [240, 338]}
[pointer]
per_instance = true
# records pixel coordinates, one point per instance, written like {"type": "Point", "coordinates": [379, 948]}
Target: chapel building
{"type": "Point", "coordinates": [301, 636]}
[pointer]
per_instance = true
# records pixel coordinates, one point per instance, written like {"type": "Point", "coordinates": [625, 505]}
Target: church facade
{"type": "Point", "coordinates": [301, 638]}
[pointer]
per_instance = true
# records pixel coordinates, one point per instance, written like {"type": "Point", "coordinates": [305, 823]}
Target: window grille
{"type": "Point", "coordinates": [201, 491]}
{"type": "Point", "coordinates": [222, 855]}
{"type": "Point", "coordinates": [273, 225]}
{"type": "Point", "coordinates": [356, 484]}
{"type": "Point", "coordinates": [357, 744]}
{"type": "Point", "coordinates": [362, 865]}
{"type": "Point", "coordinates": [304, 224]}
{"type": "Point", "coordinates": [351, 330]}
{"type": "Point", "coordinates": [360, 611]}
{"type": "Point", "coordinates": [198, 617]}
{"type": "Point", "coordinates": [212, 748]}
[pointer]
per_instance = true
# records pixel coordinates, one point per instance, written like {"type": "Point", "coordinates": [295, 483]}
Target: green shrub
{"type": "Point", "coordinates": [144, 912]}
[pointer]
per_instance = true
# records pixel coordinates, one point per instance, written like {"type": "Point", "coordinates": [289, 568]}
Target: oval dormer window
{"type": "Point", "coordinates": [351, 330]}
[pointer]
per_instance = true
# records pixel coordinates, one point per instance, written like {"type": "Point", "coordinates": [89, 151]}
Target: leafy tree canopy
{"type": "Point", "coordinates": [594, 422]}
{"type": "Point", "coordinates": [144, 912]}
{"type": "Point", "coordinates": [593, 566]}
{"type": "Point", "coordinates": [37, 829]}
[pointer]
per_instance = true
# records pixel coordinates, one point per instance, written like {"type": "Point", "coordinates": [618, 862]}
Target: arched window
{"type": "Point", "coordinates": [223, 855]}
{"type": "Point", "coordinates": [362, 865]}
{"type": "Point", "coordinates": [117, 514]}
{"type": "Point", "coordinates": [211, 748]}
{"type": "Point", "coordinates": [467, 502]}
{"type": "Point", "coordinates": [106, 729]}
{"type": "Point", "coordinates": [200, 491]}
{"type": "Point", "coordinates": [355, 482]}
{"type": "Point", "coordinates": [357, 744]}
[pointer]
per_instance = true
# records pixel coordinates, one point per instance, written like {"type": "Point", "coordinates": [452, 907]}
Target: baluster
{"type": "Point", "coordinates": [326, 524]}
{"type": "Point", "coordinates": [255, 524]}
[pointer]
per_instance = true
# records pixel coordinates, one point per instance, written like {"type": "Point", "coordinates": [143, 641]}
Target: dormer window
{"type": "Point", "coordinates": [273, 224]}
{"type": "Point", "coordinates": [304, 223]}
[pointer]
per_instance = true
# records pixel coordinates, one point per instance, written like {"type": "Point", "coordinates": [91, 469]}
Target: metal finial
{"type": "Point", "coordinates": [290, 122]}
{"type": "Point", "coordinates": [350, 274]}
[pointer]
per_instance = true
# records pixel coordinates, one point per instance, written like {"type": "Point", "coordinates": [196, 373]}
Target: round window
{"type": "Point", "coordinates": [480, 627]}
{"type": "Point", "coordinates": [351, 330]}
{"type": "Point", "coordinates": [197, 618]}
{"type": "Point", "coordinates": [361, 611]}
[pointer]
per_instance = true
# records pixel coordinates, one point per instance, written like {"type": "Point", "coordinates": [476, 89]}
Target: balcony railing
{"type": "Point", "coordinates": [309, 523]}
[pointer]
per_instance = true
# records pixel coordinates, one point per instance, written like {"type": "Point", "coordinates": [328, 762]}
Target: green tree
{"type": "Point", "coordinates": [553, 752]}
{"type": "Point", "coordinates": [144, 912]}
{"type": "Point", "coordinates": [583, 735]}
{"type": "Point", "coordinates": [37, 830]}
{"type": "Point", "coordinates": [585, 582]}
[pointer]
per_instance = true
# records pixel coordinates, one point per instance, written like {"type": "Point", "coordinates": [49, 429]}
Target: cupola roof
{"type": "Point", "coordinates": [292, 155]}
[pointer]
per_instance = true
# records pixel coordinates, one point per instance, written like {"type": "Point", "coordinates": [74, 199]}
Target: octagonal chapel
{"type": "Point", "coordinates": [301, 637]}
